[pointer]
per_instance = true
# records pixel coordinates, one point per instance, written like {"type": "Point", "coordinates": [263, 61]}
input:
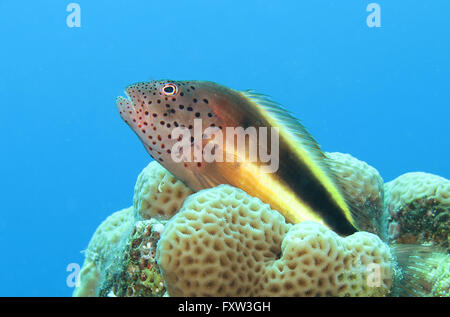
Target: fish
{"type": "Point", "coordinates": [179, 122]}
{"type": "Point", "coordinates": [289, 172]}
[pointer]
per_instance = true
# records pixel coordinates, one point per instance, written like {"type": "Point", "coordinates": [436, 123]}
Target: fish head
{"type": "Point", "coordinates": [155, 109]}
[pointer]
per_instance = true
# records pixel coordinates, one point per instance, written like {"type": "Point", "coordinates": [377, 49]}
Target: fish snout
{"type": "Point", "coordinates": [125, 107]}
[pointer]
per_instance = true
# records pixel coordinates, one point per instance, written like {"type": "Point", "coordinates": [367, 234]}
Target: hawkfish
{"type": "Point", "coordinates": [289, 171]}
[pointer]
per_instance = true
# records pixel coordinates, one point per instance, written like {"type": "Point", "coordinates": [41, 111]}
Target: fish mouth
{"type": "Point", "coordinates": [125, 105]}
{"type": "Point", "coordinates": [130, 97]}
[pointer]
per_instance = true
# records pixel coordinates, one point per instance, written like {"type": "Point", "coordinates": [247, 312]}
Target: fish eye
{"type": "Point", "coordinates": [169, 89]}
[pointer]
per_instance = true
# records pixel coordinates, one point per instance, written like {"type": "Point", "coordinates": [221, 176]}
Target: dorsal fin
{"type": "Point", "coordinates": [286, 121]}
{"type": "Point", "coordinates": [307, 147]}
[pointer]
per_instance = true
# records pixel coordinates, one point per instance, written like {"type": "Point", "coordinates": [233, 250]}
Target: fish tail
{"type": "Point", "coordinates": [422, 271]}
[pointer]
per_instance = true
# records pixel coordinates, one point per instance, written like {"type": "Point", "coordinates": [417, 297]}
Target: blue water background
{"type": "Point", "coordinates": [68, 161]}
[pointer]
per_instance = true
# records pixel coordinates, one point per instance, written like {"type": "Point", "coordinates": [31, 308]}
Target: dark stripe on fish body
{"type": "Point", "coordinates": [300, 179]}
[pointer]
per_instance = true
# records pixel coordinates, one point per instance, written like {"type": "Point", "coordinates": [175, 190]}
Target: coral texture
{"type": "Point", "coordinates": [158, 194]}
{"type": "Point", "coordinates": [109, 234]}
{"type": "Point", "coordinates": [103, 244]}
{"type": "Point", "coordinates": [364, 186]}
{"type": "Point", "coordinates": [418, 209]}
{"type": "Point", "coordinates": [441, 276]}
{"type": "Point", "coordinates": [224, 242]}
{"type": "Point", "coordinates": [89, 280]}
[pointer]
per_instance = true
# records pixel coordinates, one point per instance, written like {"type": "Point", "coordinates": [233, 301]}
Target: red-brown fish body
{"type": "Point", "coordinates": [300, 187]}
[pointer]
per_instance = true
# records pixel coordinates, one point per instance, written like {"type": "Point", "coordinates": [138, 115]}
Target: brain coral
{"type": "Point", "coordinates": [88, 280]}
{"type": "Point", "coordinates": [224, 242]}
{"type": "Point", "coordinates": [103, 244]}
{"type": "Point", "coordinates": [157, 193]}
{"type": "Point", "coordinates": [418, 209]}
{"type": "Point", "coordinates": [364, 186]}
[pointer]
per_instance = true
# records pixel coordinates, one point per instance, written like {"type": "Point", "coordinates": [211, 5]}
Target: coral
{"type": "Point", "coordinates": [315, 261]}
{"type": "Point", "coordinates": [425, 271]}
{"type": "Point", "coordinates": [217, 243]}
{"type": "Point", "coordinates": [418, 209]}
{"type": "Point", "coordinates": [224, 242]}
{"type": "Point", "coordinates": [89, 280]}
{"type": "Point", "coordinates": [441, 276]}
{"type": "Point", "coordinates": [103, 244]}
{"type": "Point", "coordinates": [135, 272]}
{"type": "Point", "coordinates": [158, 194]}
{"type": "Point", "coordinates": [364, 186]}
{"type": "Point", "coordinates": [109, 234]}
